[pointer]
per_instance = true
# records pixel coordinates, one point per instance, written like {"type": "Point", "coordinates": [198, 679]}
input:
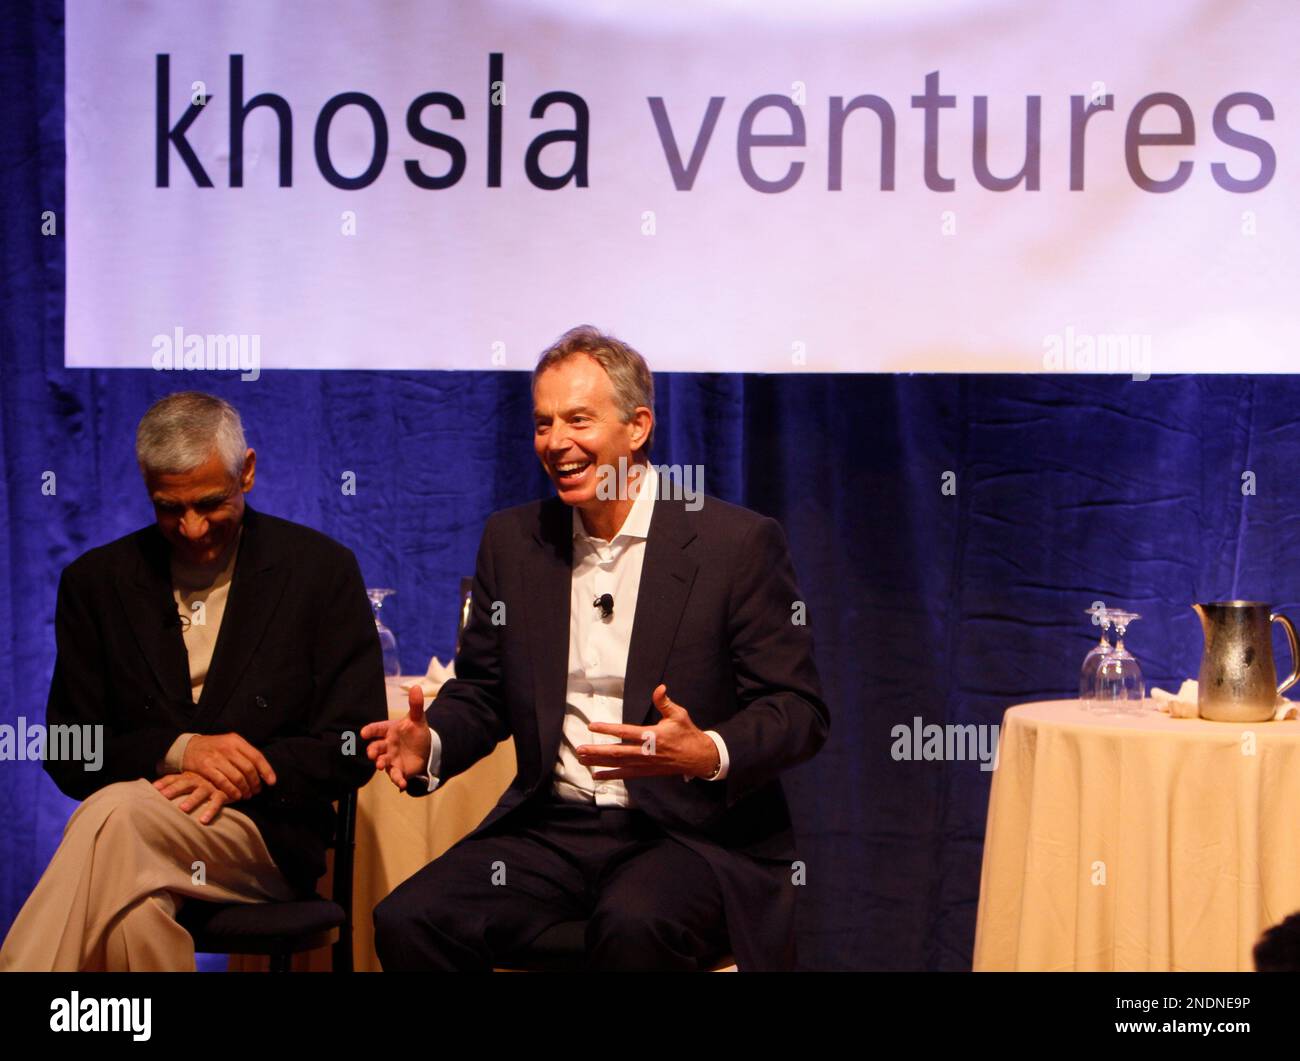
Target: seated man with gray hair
{"type": "Point", "coordinates": [227, 661]}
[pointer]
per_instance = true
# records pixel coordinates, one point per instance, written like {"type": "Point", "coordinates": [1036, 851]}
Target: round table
{"type": "Point", "coordinates": [1133, 843]}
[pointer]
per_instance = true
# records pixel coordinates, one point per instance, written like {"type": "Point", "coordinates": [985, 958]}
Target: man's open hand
{"type": "Point", "coordinates": [401, 746]}
{"type": "Point", "coordinates": [228, 762]}
{"type": "Point", "coordinates": [672, 747]}
{"type": "Point", "coordinates": [197, 791]}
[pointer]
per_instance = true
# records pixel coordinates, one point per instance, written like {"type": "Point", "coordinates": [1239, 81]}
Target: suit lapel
{"type": "Point", "coordinates": [145, 591]}
{"type": "Point", "coordinates": [667, 574]}
{"type": "Point", "coordinates": [255, 591]}
{"type": "Point", "coordinates": [549, 572]}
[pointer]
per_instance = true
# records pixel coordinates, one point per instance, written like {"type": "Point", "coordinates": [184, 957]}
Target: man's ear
{"type": "Point", "coordinates": [641, 423]}
{"type": "Point", "coordinates": [250, 471]}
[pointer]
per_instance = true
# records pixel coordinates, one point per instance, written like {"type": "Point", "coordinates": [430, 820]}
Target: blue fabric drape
{"type": "Point", "coordinates": [948, 605]}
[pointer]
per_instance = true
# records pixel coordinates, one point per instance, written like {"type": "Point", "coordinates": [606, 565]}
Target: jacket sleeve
{"type": "Point", "coordinates": [469, 714]}
{"type": "Point", "coordinates": [329, 759]}
{"type": "Point", "coordinates": [783, 719]}
{"type": "Point", "coordinates": [79, 697]}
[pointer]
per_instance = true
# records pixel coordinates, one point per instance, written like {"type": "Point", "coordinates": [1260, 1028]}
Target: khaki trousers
{"type": "Point", "coordinates": [128, 858]}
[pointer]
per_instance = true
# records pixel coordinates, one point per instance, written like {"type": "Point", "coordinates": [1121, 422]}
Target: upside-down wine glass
{"type": "Point", "coordinates": [1120, 686]}
{"type": "Point", "coordinates": [387, 639]}
{"type": "Point", "coordinates": [1092, 661]}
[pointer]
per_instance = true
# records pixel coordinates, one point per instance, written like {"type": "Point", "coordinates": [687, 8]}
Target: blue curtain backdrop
{"type": "Point", "coordinates": [947, 606]}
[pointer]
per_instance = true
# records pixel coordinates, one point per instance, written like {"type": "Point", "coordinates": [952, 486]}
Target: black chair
{"type": "Point", "coordinates": [562, 948]}
{"type": "Point", "coordinates": [281, 930]}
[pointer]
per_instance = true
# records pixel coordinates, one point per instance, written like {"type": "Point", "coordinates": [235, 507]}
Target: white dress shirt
{"type": "Point", "coordinates": [598, 650]}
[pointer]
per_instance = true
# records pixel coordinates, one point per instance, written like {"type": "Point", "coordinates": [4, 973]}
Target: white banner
{"type": "Point", "coordinates": [943, 185]}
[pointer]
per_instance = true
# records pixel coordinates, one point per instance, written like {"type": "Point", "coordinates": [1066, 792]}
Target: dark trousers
{"type": "Point", "coordinates": [649, 901]}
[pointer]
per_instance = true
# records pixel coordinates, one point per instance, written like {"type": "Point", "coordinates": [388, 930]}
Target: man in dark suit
{"type": "Point", "coordinates": [223, 663]}
{"type": "Point", "coordinates": [673, 630]}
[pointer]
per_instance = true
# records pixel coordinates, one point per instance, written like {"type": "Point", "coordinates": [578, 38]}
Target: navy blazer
{"type": "Point", "coordinates": [297, 667]}
{"type": "Point", "coordinates": [716, 621]}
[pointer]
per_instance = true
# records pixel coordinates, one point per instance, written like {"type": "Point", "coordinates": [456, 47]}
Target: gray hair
{"type": "Point", "coordinates": [182, 430]}
{"type": "Point", "coordinates": [634, 385]}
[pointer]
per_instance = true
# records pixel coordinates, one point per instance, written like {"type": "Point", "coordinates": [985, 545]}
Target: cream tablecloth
{"type": "Point", "coordinates": [1145, 843]}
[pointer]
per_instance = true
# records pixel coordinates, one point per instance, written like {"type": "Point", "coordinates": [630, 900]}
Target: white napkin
{"type": "Point", "coordinates": [433, 678]}
{"type": "Point", "coordinates": [1183, 703]}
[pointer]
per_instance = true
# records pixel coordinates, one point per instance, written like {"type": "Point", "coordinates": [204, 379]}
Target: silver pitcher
{"type": "Point", "coordinates": [1237, 675]}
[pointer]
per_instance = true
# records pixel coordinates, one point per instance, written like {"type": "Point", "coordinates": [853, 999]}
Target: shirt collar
{"type": "Point", "coordinates": [637, 524]}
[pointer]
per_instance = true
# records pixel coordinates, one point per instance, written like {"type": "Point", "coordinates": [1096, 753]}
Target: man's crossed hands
{"type": "Point", "coordinates": [216, 770]}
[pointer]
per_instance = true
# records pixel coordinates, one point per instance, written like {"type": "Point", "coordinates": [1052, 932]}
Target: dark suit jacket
{"type": "Point", "coordinates": [296, 666]}
{"type": "Point", "coordinates": [713, 622]}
